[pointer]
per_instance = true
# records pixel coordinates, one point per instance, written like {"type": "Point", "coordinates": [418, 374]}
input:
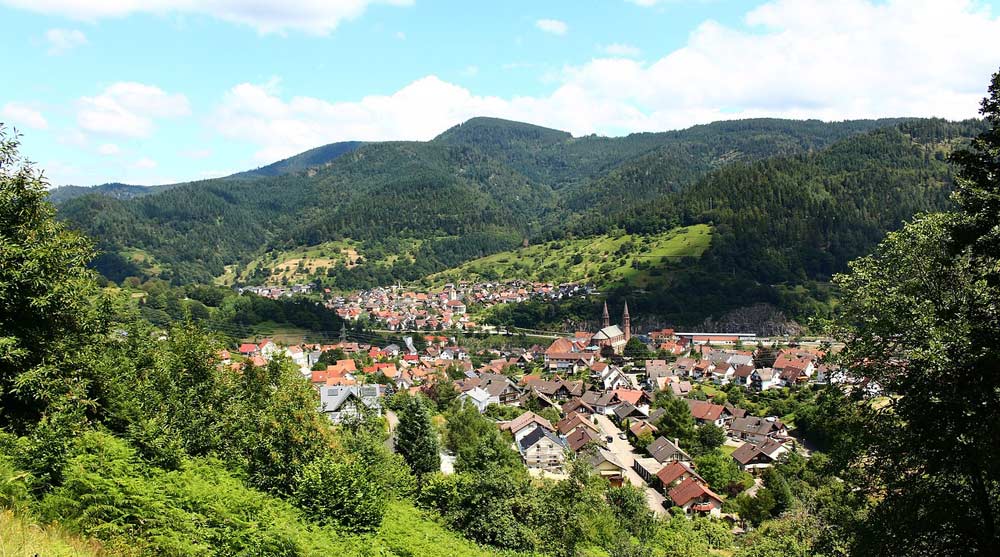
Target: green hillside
{"type": "Point", "coordinates": [313, 158]}
{"type": "Point", "coordinates": [789, 202]}
{"type": "Point", "coordinates": [20, 537]}
{"type": "Point", "coordinates": [606, 261]}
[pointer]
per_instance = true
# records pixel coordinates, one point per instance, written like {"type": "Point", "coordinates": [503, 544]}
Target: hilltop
{"type": "Point", "coordinates": [789, 202]}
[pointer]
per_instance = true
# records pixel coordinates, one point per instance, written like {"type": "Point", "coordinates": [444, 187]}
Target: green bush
{"type": "Point", "coordinates": [342, 493]}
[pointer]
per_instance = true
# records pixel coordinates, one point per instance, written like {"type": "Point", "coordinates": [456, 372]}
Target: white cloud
{"type": "Point", "coordinates": [312, 16]}
{"type": "Point", "coordinates": [63, 40]}
{"type": "Point", "coordinates": [401, 35]}
{"type": "Point", "coordinates": [129, 109]}
{"type": "Point", "coordinates": [197, 153]}
{"type": "Point", "coordinates": [145, 163]}
{"type": "Point", "coordinates": [553, 26]}
{"type": "Point", "coordinates": [20, 114]}
{"type": "Point", "coordinates": [620, 49]}
{"type": "Point", "coordinates": [645, 3]}
{"type": "Point", "coordinates": [109, 149]}
{"type": "Point", "coordinates": [471, 71]}
{"type": "Point", "coordinates": [807, 59]}
{"type": "Point", "coordinates": [74, 137]}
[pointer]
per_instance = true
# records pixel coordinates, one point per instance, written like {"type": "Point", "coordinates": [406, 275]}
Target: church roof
{"type": "Point", "coordinates": [608, 333]}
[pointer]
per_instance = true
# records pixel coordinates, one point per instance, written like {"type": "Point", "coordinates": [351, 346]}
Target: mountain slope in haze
{"type": "Point", "coordinates": [303, 161]}
{"type": "Point", "coordinates": [114, 190]}
{"type": "Point", "coordinates": [487, 185]}
{"type": "Point", "coordinates": [299, 163]}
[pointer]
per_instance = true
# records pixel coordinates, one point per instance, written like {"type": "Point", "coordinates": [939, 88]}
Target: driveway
{"type": "Point", "coordinates": [625, 453]}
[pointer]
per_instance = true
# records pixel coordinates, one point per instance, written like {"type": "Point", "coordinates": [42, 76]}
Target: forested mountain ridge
{"type": "Point", "coordinates": [487, 185]}
{"type": "Point", "coordinates": [301, 162]}
{"type": "Point", "coordinates": [115, 190]}
{"type": "Point", "coordinates": [312, 158]}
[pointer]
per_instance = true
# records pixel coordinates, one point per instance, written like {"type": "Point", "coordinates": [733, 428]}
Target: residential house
{"type": "Point", "coordinates": [349, 401]}
{"type": "Point", "coordinates": [639, 428]}
{"type": "Point", "coordinates": [558, 389]}
{"type": "Point", "coordinates": [656, 369]}
{"type": "Point", "coordinates": [695, 497]}
{"type": "Point", "coordinates": [542, 449]}
{"type": "Point", "coordinates": [752, 457]}
{"type": "Point", "coordinates": [574, 421]}
{"type": "Point", "coordinates": [674, 473]}
{"type": "Point", "coordinates": [524, 424]}
{"type": "Point", "coordinates": [707, 413]}
{"type": "Point", "coordinates": [757, 430]}
{"type": "Point", "coordinates": [581, 437]}
{"type": "Point", "coordinates": [607, 465]}
{"type": "Point", "coordinates": [577, 405]}
{"type": "Point", "coordinates": [680, 388]}
{"type": "Point", "coordinates": [628, 411]}
{"type": "Point", "coordinates": [478, 397]}
{"type": "Point", "coordinates": [764, 379]}
{"type": "Point", "coordinates": [742, 375]}
{"type": "Point", "coordinates": [267, 348]}
{"type": "Point", "coordinates": [611, 377]}
{"type": "Point", "coordinates": [666, 451]}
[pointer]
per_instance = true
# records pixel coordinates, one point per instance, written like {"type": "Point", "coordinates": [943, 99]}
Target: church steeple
{"type": "Point", "coordinates": [627, 323]}
{"type": "Point", "coordinates": [605, 317]}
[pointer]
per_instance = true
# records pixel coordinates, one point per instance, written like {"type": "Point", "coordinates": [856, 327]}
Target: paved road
{"type": "Point", "coordinates": [625, 453]}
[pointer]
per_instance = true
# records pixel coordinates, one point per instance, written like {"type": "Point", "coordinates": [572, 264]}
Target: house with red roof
{"type": "Point", "coordinates": [671, 475]}
{"type": "Point", "coordinates": [705, 412]}
{"type": "Point", "coordinates": [694, 497]}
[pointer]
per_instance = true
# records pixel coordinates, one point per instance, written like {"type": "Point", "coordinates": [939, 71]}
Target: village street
{"type": "Point", "coordinates": [625, 454]}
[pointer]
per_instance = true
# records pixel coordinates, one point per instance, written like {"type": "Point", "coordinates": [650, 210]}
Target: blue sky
{"type": "Point", "coordinates": [162, 91]}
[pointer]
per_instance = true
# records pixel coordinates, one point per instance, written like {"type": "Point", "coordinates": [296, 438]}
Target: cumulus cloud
{"type": "Point", "coordinates": [129, 109]}
{"type": "Point", "coordinates": [109, 149]}
{"type": "Point", "coordinates": [620, 49]}
{"type": "Point", "coordinates": [312, 16]}
{"type": "Point", "coordinates": [197, 153]}
{"type": "Point", "coordinates": [63, 40]}
{"type": "Point", "coordinates": [803, 59]}
{"type": "Point", "coordinates": [145, 163]}
{"type": "Point", "coordinates": [23, 115]}
{"type": "Point", "coordinates": [553, 26]}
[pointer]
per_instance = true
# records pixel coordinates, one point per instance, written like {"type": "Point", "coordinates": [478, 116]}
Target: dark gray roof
{"type": "Point", "coordinates": [664, 450]}
{"type": "Point", "coordinates": [536, 435]}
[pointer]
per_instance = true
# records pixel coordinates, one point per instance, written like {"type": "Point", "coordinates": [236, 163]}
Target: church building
{"type": "Point", "coordinates": [612, 335]}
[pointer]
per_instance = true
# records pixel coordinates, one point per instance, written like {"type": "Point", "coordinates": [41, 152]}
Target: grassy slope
{"type": "Point", "coordinates": [406, 531]}
{"type": "Point", "coordinates": [602, 261]}
{"type": "Point", "coordinates": [22, 538]}
{"type": "Point", "coordinates": [323, 255]}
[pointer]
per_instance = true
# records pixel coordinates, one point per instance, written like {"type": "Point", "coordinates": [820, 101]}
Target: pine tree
{"type": "Point", "coordinates": [416, 439]}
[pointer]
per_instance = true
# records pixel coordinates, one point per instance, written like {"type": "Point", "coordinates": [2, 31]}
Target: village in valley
{"type": "Point", "coordinates": [395, 308]}
{"type": "Point", "coordinates": [593, 395]}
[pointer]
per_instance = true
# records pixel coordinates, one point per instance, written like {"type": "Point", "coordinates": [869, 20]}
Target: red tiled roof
{"type": "Point", "coordinates": [706, 411]}
{"type": "Point", "coordinates": [689, 490]}
{"type": "Point", "coordinates": [630, 396]}
{"type": "Point", "coordinates": [673, 471]}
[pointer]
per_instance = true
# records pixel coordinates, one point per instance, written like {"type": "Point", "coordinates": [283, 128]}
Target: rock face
{"type": "Point", "coordinates": [762, 319]}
